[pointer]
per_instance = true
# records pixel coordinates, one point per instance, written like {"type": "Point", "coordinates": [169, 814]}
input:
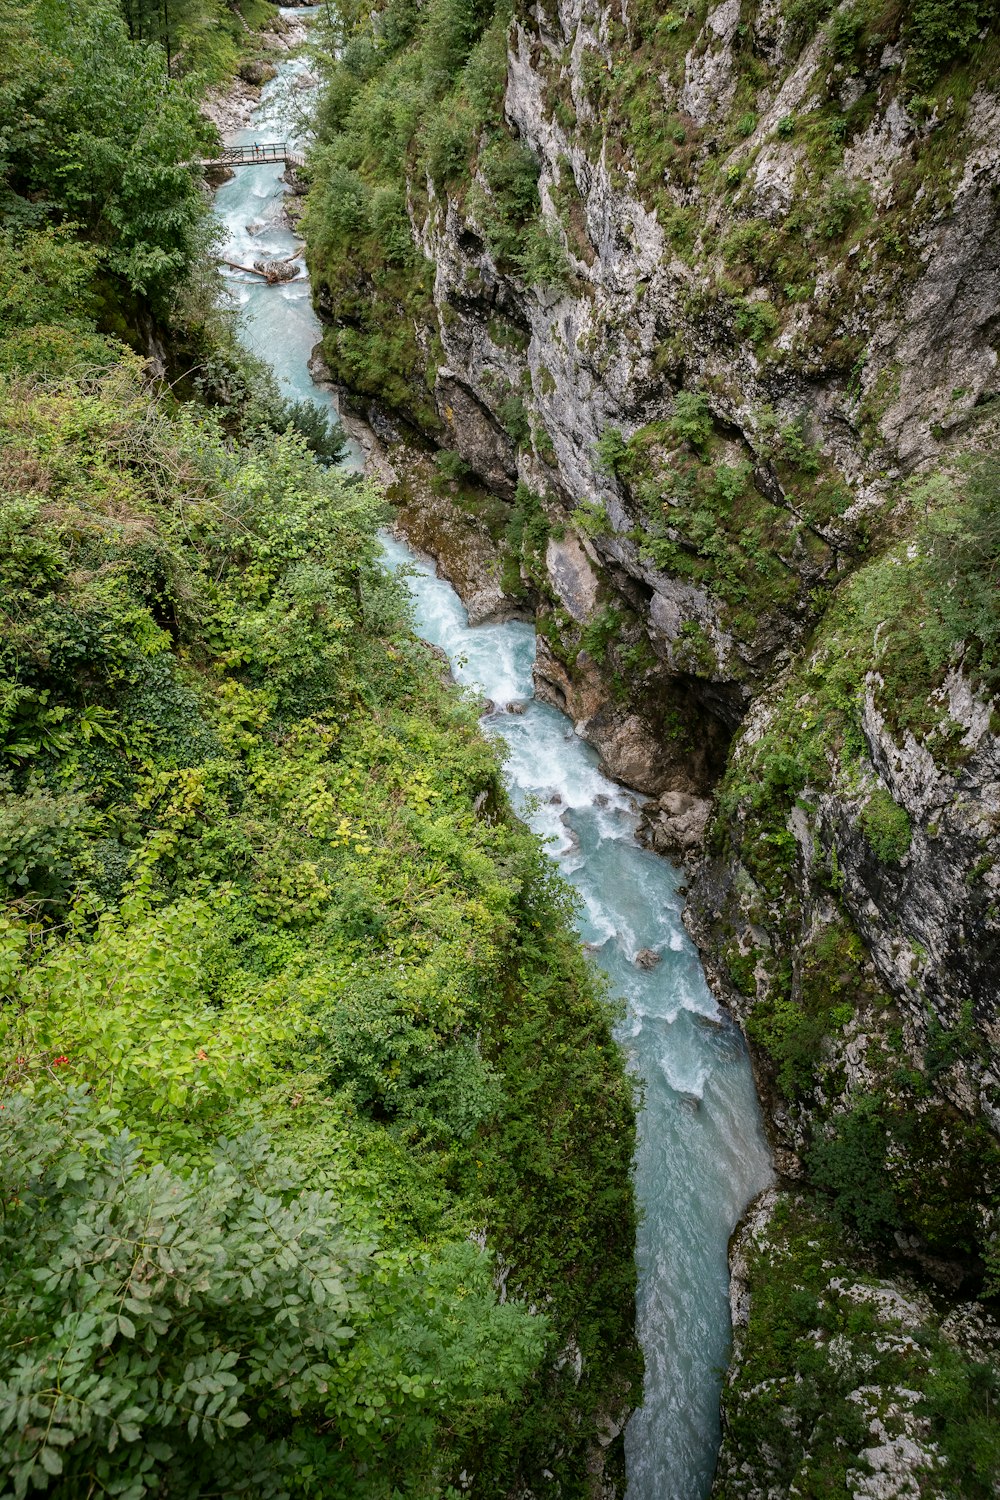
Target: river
{"type": "Point", "coordinates": [701, 1153]}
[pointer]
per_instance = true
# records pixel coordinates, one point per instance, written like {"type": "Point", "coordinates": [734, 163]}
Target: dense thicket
{"type": "Point", "coordinates": [314, 1142]}
{"type": "Point", "coordinates": [94, 142]}
{"type": "Point", "coordinates": [259, 874]}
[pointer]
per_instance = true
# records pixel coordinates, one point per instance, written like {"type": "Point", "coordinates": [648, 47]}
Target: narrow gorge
{"type": "Point", "coordinates": [701, 1155]}
{"type": "Point", "coordinates": [675, 330]}
{"type": "Point", "coordinates": [499, 750]}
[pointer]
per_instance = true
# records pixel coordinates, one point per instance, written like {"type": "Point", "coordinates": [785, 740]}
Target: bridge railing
{"type": "Point", "coordinates": [265, 151]}
{"type": "Point", "coordinates": [246, 156]}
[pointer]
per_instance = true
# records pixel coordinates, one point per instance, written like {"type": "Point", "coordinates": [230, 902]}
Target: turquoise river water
{"type": "Point", "coordinates": [701, 1154]}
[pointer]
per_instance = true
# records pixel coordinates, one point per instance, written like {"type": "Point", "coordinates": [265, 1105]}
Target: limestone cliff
{"type": "Point", "coordinates": [699, 308]}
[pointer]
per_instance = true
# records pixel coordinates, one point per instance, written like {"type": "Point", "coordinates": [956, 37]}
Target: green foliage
{"type": "Point", "coordinates": [691, 422]}
{"type": "Point", "coordinates": [509, 214]}
{"type": "Point", "coordinates": [803, 17]}
{"type": "Point", "coordinates": [886, 826]}
{"type": "Point", "coordinates": [694, 651]}
{"type": "Point", "coordinates": [842, 203]}
{"type": "Point", "coordinates": [942, 31]}
{"type": "Point", "coordinates": [323, 434]}
{"type": "Point", "coordinates": [514, 416]}
{"type": "Point", "coordinates": [199, 1319]}
{"type": "Point", "coordinates": [963, 561]}
{"type": "Point", "coordinates": [850, 1163]}
{"type": "Point", "coordinates": [591, 517]}
{"type": "Point", "coordinates": [757, 320]}
{"type": "Point", "coordinates": [600, 632]}
{"type": "Point", "coordinates": [613, 453]}
{"type": "Point", "coordinates": [96, 140]}
{"type": "Point", "coordinates": [528, 529]}
{"type": "Point", "coordinates": [251, 886]}
{"type": "Point", "coordinates": [542, 260]}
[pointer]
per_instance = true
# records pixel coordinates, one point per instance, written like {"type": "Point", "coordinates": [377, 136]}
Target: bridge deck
{"type": "Point", "coordinates": [258, 153]}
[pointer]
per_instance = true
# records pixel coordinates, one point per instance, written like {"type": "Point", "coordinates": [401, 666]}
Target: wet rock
{"type": "Point", "coordinates": [630, 748]}
{"type": "Point", "coordinates": [475, 433]}
{"type": "Point", "coordinates": [571, 835]}
{"type": "Point", "coordinates": [257, 71]}
{"type": "Point", "coordinates": [517, 706]}
{"type": "Point", "coordinates": [488, 606]}
{"type": "Point", "coordinates": [647, 958]}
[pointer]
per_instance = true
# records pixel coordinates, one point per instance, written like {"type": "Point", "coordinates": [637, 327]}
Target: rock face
{"type": "Point", "coordinates": [719, 429]}
{"type": "Point", "coordinates": [870, 1351]}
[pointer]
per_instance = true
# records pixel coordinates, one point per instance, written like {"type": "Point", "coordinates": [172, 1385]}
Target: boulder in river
{"type": "Point", "coordinates": [647, 958]}
{"type": "Point", "coordinates": [276, 270]}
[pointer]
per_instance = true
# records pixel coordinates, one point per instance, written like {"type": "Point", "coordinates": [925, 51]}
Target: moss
{"type": "Point", "coordinates": [819, 1329]}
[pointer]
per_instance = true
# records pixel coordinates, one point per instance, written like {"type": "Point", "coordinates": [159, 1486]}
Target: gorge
{"type": "Point", "coordinates": [499, 771]}
{"type": "Point", "coordinates": [676, 330]}
{"type": "Point", "coordinates": [701, 1154]}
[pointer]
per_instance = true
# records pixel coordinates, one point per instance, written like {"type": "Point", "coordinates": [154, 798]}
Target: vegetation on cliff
{"type": "Point", "coordinates": [754, 372]}
{"type": "Point", "coordinates": [834, 1359]}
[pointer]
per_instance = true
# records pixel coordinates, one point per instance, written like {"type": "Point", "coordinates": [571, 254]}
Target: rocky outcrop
{"type": "Point", "coordinates": [859, 1412]}
{"type": "Point", "coordinates": [230, 107]}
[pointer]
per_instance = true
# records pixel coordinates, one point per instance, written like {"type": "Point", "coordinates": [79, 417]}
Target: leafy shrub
{"type": "Point", "coordinates": [613, 453]}
{"type": "Point", "coordinates": [848, 1162]}
{"type": "Point", "coordinates": [691, 421]}
{"type": "Point", "coordinates": [446, 143]}
{"type": "Point", "coordinates": [600, 632]}
{"type": "Point", "coordinates": [196, 1317]}
{"type": "Point", "coordinates": [485, 75]}
{"type": "Point", "coordinates": [514, 416]}
{"type": "Point", "coordinates": [591, 517]}
{"type": "Point", "coordinates": [528, 527]}
{"type": "Point", "coordinates": [451, 466]}
{"type": "Point", "coordinates": [757, 320]}
{"type": "Point", "coordinates": [97, 134]}
{"type": "Point", "coordinates": [886, 826]}
{"type": "Point", "coordinates": [963, 561]}
{"type": "Point", "coordinates": [511, 172]}
{"type": "Point", "coordinates": [542, 260]}
{"type": "Point", "coordinates": [842, 202]}
{"type": "Point", "coordinates": [942, 31]}
{"type": "Point", "coordinates": [41, 839]}
{"type": "Point", "coordinates": [318, 426]}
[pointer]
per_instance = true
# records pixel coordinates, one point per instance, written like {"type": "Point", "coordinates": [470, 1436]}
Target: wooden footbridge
{"type": "Point", "coordinates": [258, 153]}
